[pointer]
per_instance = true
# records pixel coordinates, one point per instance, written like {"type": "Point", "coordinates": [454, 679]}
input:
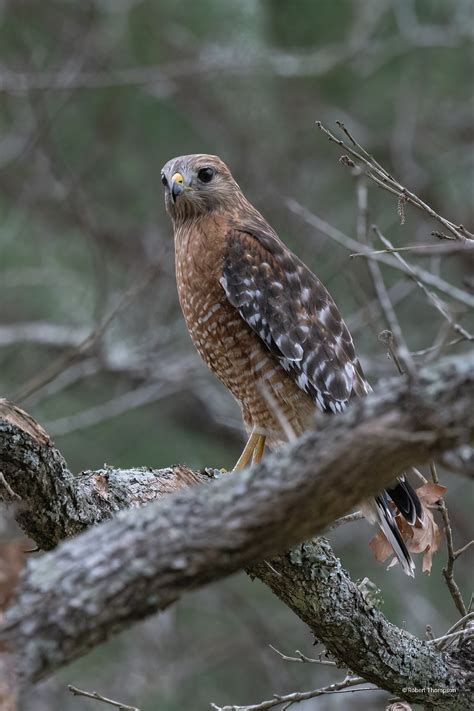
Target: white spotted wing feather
{"type": "Point", "coordinates": [293, 313]}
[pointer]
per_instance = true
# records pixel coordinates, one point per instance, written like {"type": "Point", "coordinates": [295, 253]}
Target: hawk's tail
{"type": "Point", "coordinates": [407, 502]}
{"type": "Point", "coordinates": [386, 520]}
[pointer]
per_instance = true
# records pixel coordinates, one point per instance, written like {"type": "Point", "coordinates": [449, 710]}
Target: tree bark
{"type": "Point", "coordinates": [142, 560]}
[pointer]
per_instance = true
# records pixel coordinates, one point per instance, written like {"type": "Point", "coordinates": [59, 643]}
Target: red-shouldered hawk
{"type": "Point", "coordinates": [262, 321]}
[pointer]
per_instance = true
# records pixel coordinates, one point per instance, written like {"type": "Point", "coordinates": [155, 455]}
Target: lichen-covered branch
{"type": "Point", "coordinates": [143, 559]}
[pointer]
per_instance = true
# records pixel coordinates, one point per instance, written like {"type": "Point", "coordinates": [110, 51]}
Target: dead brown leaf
{"type": "Point", "coordinates": [430, 493]}
{"type": "Point", "coordinates": [380, 546]}
{"type": "Point", "coordinates": [423, 537]}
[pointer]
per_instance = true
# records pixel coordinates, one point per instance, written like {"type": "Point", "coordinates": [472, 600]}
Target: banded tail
{"type": "Point", "coordinates": [406, 499]}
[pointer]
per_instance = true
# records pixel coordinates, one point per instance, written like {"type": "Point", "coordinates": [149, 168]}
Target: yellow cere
{"type": "Point", "coordinates": [177, 178]}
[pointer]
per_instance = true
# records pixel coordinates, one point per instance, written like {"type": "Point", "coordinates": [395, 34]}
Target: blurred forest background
{"type": "Point", "coordinates": [95, 96]}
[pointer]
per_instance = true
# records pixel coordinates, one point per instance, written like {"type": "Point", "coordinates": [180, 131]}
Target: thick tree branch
{"type": "Point", "coordinates": [141, 561]}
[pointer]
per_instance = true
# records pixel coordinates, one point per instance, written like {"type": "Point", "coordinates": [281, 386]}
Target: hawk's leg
{"type": "Point", "coordinates": [246, 456]}
{"type": "Point", "coordinates": [259, 449]}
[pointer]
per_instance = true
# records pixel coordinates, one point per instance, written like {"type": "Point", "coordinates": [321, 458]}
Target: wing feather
{"type": "Point", "coordinates": [293, 314]}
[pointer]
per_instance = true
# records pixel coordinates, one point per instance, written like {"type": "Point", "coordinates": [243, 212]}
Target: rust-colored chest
{"type": "Point", "coordinates": [231, 349]}
{"type": "Point", "coordinates": [219, 333]}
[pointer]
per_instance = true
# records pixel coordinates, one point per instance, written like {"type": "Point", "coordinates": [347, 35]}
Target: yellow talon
{"type": "Point", "coordinates": [253, 451]}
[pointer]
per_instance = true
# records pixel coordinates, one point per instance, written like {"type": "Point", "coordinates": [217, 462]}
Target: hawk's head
{"type": "Point", "coordinates": [197, 184]}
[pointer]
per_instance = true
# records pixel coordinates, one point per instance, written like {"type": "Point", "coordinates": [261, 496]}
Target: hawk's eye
{"type": "Point", "coordinates": [163, 180]}
{"type": "Point", "coordinates": [205, 175]}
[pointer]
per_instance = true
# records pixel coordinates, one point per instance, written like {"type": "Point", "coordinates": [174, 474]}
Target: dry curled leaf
{"type": "Point", "coordinates": [422, 537]}
{"type": "Point", "coordinates": [380, 547]}
{"type": "Point", "coordinates": [430, 493]}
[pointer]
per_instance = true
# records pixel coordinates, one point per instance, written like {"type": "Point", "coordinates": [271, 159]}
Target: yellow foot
{"type": "Point", "coordinates": [253, 451]}
{"type": "Point", "coordinates": [259, 449]}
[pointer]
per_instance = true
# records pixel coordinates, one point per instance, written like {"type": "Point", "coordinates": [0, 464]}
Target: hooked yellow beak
{"type": "Point", "coordinates": [177, 185]}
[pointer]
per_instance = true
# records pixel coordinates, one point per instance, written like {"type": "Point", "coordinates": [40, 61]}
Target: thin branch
{"type": "Point", "coordinates": [371, 310]}
{"type": "Point", "coordinates": [405, 355]}
{"type": "Point", "coordinates": [461, 623]}
{"type": "Point", "coordinates": [459, 295]}
{"type": "Point", "coordinates": [149, 392]}
{"type": "Point", "coordinates": [350, 518]}
{"type": "Point", "coordinates": [418, 474]}
{"type": "Point", "coordinates": [53, 335]}
{"type": "Point", "coordinates": [432, 298]}
{"type": "Point", "coordinates": [397, 345]}
{"type": "Point", "coordinates": [431, 349]}
{"type": "Point", "coordinates": [381, 177]}
{"type": "Point", "coordinates": [386, 337]}
{"type": "Point", "coordinates": [391, 319]}
{"type": "Point", "coordinates": [448, 571]}
{"type": "Point", "coordinates": [86, 344]}
{"type": "Point", "coordinates": [462, 550]}
{"type": "Point", "coordinates": [446, 639]}
{"type": "Point", "coordinates": [98, 697]}
{"type": "Point", "coordinates": [298, 696]}
{"type": "Point", "coordinates": [4, 483]}
{"type": "Point", "coordinates": [302, 658]}
{"type": "Point", "coordinates": [422, 250]}
{"type": "Point", "coordinates": [429, 633]}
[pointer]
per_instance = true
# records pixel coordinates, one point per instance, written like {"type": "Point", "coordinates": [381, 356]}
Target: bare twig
{"type": "Point", "coordinates": [432, 297]}
{"type": "Point", "coordinates": [461, 623]}
{"type": "Point", "coordinates": [391, 319]}
{"type": "Point", "coordinates": [386, 337]}
{"type": "Point", "coordinates": [437, 347]}
{"type": "Point", "coordinates": [371, 310]}
{"type": "Point", "coordinates": [448, 571]}
{"type": "Point", "coordinates": [459, 295]}
{"type": "Point", "coordinates": [298, 696]}
{"type": "Point", "coordinates": [151, 391]}
{"type": "Point", "coordinates": [53, 335]}
{"type": "Point", "coordinates": [423, 250]}
{"type": "Point", "coordinates": [420, 476]}
{"type": "Point", "coordinates": [462, 550]}
{"type": "Point", "coordinates": [397, 343]}
{"type": "Point", "coordinates": [98, 697]}
{"type": "Point", "coordinates": [350, 518]}
{"type": "Point", "coordinates": [302, 658]}
{"type": "Point", "coordinates": [446, 639]}
{"type": "Point", "coordinates": [3, 482]}
{"type": "Point", "coordinates": [86, 344]}
{"type": "Point", "coordinates": [381, 177]}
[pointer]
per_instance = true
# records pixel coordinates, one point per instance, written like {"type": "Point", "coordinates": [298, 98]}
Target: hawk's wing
{"type": "Point", "coordinates": [294, 315]}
